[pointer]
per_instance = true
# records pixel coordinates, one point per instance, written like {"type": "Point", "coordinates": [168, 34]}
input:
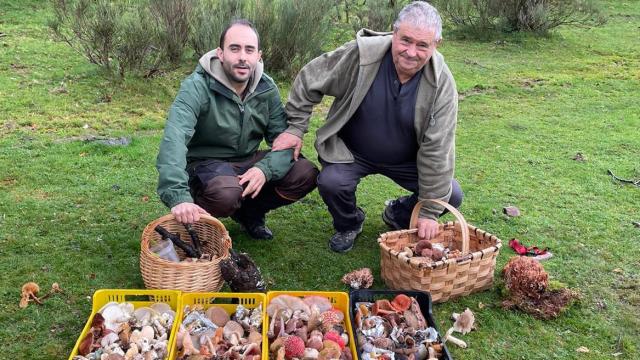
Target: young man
{"type": "Point", "coordinates": [209, 162]}
{"type": "Point", "coordinates": [394, 114]}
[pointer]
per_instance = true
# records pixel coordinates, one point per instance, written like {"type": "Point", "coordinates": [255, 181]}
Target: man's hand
{"type": "Point", "coordinates": [255, 179]}
{"type": "Point", "coordinates": [288, 141]}
{"type": "Point", "coordinates": [187, 213]}
{"type": "Point", "coordinates": [427, 229]}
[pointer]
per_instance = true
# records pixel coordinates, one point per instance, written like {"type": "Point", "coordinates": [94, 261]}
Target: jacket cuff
{"type": "Point", "coordinates": [171, 201]}
{"type": "Point", "coordinates": [265, 170]}
{"type": "Point", "coordinates": [294, 131]}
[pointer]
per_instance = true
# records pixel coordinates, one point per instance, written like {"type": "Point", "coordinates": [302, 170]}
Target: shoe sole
{"type": "Point", "coordinates": [354, 240]}
{"type": "Point", "coordinates": [390, 223]}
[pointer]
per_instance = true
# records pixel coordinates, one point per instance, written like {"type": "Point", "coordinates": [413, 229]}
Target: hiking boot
{"type": "Point", "coordinates": [389, 217]}
{"type": "Point", "coordinates": [255, 228]}
{"type": "Point", "coordinates": [342, 241]}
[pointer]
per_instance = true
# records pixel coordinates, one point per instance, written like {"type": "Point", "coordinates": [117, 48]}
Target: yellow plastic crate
{"type": "Point", "coordinates": [227, 301]}
{"type": "Point", "coordinates": [339, 300]}
{"type": "Point", "coordinates": [137, 297]}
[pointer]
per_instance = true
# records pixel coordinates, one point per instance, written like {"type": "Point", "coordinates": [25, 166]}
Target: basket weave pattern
{"type": "Point", "coordinates": [444, 279]}
{"type": "Point", "coordinates": [159, 273]}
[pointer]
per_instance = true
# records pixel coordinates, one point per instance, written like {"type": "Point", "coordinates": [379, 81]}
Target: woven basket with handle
{"type": "Point", "coordinates": [444, 279]}
{"type": "Point", "coordinates": [159, 273]}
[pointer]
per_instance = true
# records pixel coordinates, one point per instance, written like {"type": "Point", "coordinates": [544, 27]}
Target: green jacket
{"type": "Point", "coordinates": [347, 74]}
{"type": "Point", "coordinates": [208, 120]}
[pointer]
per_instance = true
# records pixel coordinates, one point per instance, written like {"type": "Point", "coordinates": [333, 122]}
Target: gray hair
{"type": "Point", "coordinates": [420, 14]}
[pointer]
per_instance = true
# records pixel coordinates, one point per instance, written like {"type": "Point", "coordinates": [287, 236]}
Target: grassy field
{"type": "Point", "coordinates": [72, 210]}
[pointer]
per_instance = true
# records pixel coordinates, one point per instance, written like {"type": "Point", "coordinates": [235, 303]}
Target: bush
{"type": "Point", "coordinates": [172, 19]}
{"type": "Point", "coordinates": [538, 16]}
{"type": "Point", "coordinates": [114, 36]}
{"type": "Point", "coordinates": [292, 32]}
{"type": "Point", "coordinates": [377, 15]}
{"type": "Point", "coordinates": [207, 20]}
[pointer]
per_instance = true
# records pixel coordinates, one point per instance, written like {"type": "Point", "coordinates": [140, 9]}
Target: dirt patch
{"type": "Point", "coordinates": [20, 69]}
{"type": "Point", "coordinates": [627, 288]}
{"type": "Point", "coordinates": [476, 90]}
{"type": "Point", "coordinates": [531, 83]}
{"type": "Point", "coordinates": [8, 182]}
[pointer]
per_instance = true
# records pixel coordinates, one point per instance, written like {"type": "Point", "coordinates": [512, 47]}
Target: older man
{"type": "Point", "coordinates": [394, 114]}
{"type": "Point", "coordinates": [209, 162]}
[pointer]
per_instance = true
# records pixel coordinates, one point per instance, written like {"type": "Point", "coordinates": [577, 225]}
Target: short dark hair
{"type": "Point", "coordinates": [244, 22]}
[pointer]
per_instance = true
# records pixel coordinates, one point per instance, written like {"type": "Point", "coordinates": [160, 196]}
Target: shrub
{"type": "Point", "coordinates": [172, 19]}
{"type": "Point", "coordinates": [292, 32]}
{"type": "Point", "coordinates": [208, 18]}
{"type": "Point", "coordinates": [377, 15]}
{"type": "Point", "coordinates": [114, 36]}
{"type": "Point", "coordinates": [538, 16]}
{"type": "Point", "coordinates": [89, 27]}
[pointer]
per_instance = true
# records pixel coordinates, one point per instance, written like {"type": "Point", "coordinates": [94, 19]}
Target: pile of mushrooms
{"type": "Point", "coordinates": [308, 328]}
{"type": "Point", "coordinates": [215, 334]}
{"type": "Point", "coordinates": [120, 332]}
{"type": "Point", "coordinates": [395, 330]}
{"type": "Point", "coordinates": [430, 251]}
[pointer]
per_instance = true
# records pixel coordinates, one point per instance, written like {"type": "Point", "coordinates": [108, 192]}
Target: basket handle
{"type": "Point", "coordinates": [464, 228]}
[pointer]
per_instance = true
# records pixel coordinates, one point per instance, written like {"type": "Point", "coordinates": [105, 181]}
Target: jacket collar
{"type": "Point", "coordinates": [373, 45]}
{"type": "Point", "coordinates": [213, 66]}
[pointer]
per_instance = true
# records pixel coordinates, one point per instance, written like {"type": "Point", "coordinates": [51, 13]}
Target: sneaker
{"type": "Point", "coordinates": [389, 218]}
{"type": "Point", "coordinates": [342, 241]}
{"type": "Point", "coordinates": [255, 228]}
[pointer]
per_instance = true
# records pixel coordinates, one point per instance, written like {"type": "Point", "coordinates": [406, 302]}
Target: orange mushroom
{"type": "Point", "coordinates": [401, 303]}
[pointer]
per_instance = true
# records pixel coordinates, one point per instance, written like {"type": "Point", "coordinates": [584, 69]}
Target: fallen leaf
{"type": "Point", "coordinates": [83, 154]}
{"type": "Point", "coordinates": [481, 306]}
{"type": "Point", "coordinates": [579, 157]}
{"type": "Point", "coordinates": [618, 271]}
{"type": "Point", "coordinates": [511, 211]}
{"type": "Point", "coordinates": [145, 198]}
{"type": "Point", "coordinates": [582, 349]}
{"type": "Point", "coordinates": [616, 354]}
{"type": "Point", "coordinates": [91, 276]}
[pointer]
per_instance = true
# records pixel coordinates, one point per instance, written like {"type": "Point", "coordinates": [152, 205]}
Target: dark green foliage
{"type": "Point", "coordinates": [537, 16]}
{"type": "Point", "coordinates": [114, 36]}
{"type": "Point", "coordinates": [207, 20]}
{"type": "Point", "coordinates": [377, 15]}
{"type": "Point", "coordinates": [292, 32]}
{"type": "Point", "coordinates": [172, 18]}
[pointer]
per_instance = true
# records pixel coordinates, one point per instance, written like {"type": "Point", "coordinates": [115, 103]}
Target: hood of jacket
{"type": "Point", "coordinates": [212, 65]}
{"type": "Point", "coordinates": [373, 45]}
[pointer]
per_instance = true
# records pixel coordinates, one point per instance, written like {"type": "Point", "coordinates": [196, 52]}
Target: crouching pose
{"type": "Point", "coordinates": [209, 162]}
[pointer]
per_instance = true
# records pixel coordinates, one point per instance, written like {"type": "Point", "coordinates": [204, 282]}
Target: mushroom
{"type": "Point", "coordinates": [359, 279]}
{"type": "Point", "coordinates": [290, 302]}
{"type": "Point", "coordinates": [29, 291]}
{"type": "Point", "coordinates": [233, 332]}
{"type": "Point", "coordinates": [463, 324]}
{"type": "Point", "coordinates": [432, 354]}
{"type": "Point", "coordinates": [217, 315]}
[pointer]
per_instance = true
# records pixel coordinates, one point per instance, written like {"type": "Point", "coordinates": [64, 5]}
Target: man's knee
{"type": "Point", "coordinates": [299, 181]}
{"type": "Point", "coordinates": [333, 181]}
{"type": "Point", "coordinates": [221, 196]}
{"type": "Point", "coordinates": [456, 194]}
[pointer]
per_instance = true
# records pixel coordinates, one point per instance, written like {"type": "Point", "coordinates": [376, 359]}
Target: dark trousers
{"type": "Point", "coordinates": [215, 187]}
{"type": "Point", "coordinates": [337, 185]}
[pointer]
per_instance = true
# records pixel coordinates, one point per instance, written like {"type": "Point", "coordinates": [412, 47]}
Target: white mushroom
{"type": "Point", "coordinates": [463, 324]}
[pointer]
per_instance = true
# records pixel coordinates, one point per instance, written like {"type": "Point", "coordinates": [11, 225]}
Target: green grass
{"type": "Point", "coordinates": [72, 211]}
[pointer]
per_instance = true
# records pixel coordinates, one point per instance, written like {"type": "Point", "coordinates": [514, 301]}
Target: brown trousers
{"type": "Point", "coordinates": [215, 187]}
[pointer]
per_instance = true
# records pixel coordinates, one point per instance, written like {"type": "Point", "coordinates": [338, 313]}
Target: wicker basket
{"type": "Point", "coordinates": [159, 273]}
{"type": "Point", "coordinates": [444, 279]}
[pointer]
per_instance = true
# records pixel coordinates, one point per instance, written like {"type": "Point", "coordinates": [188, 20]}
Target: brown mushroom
{"type": "Point", "coordinates": [218, 315]}
{"type": "Point", "coordinates": [233, 332]}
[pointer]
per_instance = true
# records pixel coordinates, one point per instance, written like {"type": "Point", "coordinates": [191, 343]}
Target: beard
{"type": "Point", "coordinates": [236, 77]}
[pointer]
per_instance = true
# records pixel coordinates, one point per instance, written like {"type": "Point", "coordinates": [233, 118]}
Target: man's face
{"type": "Point", "coordinates": [411, 48]}
{"type": "Point", "coordinates": [240, 54]}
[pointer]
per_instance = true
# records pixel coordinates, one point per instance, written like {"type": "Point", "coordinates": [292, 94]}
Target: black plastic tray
{"type": "Point", "coordinates": [423, 298]}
